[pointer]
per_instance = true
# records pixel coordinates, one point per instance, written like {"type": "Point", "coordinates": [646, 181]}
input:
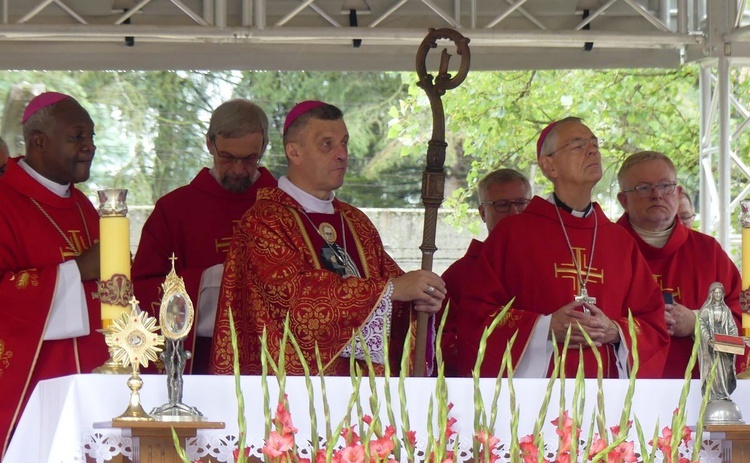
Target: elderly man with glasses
{"type": "Point", "coordinates": [502, 193]}
{"type": "Point", "coordinates": [684, 262]}
{"type": "Point", "coordinates": [563, 265]}
{"type": "Point", "coordinates": [196, 222]}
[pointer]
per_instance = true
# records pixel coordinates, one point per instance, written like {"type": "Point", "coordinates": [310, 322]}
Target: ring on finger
{"type": "Point", "coordinates": [430, 289]}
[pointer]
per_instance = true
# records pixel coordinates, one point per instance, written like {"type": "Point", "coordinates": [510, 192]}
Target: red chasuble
{"type": "Point", "coordinates": [527, 259]}
{"type": "Point", "coordinates": [455, 279]}
{"type": "Point", "coordinates": [31, 248]}
{"type": "Point", "coordinates": [686, 266]}
{"type": "Point", "coordinates": [195, 222]}
{"type": "Point", "coordinates": [276, 268]}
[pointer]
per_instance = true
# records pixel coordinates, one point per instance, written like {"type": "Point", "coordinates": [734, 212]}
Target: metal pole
{"type": "Point", "coordinates": [704, 202]}
{"type": "Point", "coordinates": [724, 147]}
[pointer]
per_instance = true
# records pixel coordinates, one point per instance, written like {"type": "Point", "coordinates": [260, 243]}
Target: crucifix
{"type": "Point", "coordinates": [583, 296]}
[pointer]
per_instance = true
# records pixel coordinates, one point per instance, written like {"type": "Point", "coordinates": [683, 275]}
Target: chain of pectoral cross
{"type": "Point", "coordinates": [583, 295]}
{"type": "Point", "coordinates": [70, 244]}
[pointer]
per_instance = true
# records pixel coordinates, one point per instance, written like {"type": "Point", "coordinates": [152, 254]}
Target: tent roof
{"type": "Point", "coordinates": [317, 35]}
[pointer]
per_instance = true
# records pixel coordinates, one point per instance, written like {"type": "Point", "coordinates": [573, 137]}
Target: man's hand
{"type": "Point", "coordinates": [425, 289]}
{"type": "Point", "coordinates": [597, 325]}
{"type": "Point", "coordinates": [88, 263]}
{"type": "Point", "coordinates": [680, 320]}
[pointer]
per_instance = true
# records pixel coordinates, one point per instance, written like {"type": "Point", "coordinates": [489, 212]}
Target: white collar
{"type": "Point", "coordinates": [62, 191]}
{"type": "Point", "coordinates": [657, 239]}
{"type": "Point", "coordinates": [308, 202]}
{"type": "Point", "coordinates": [574, 213]}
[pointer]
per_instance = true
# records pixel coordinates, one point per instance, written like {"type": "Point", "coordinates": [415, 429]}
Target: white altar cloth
{"type": "Point", "coordinates": [58, 423]}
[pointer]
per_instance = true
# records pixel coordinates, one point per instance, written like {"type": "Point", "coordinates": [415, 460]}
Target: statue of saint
{"type": "Point", "coordinates": [716, 318]}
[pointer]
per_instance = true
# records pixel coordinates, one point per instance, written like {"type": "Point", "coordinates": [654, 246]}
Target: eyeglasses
{"type": "Point", "coordinates": [231, 159]}
{"type": "Point", "coordinates": [503, 205]}
{"type": "Point", "coordinates": [686, 218]}
{"type": "Point", "coordinates": [579, 145]}
{"type": "Point", "coordinates": [644, 190]}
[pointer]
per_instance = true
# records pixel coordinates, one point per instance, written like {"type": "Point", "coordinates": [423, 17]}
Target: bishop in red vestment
{"type": "Point", "coordinates": [49, 257]}
{"type": "Point", "coordinates": [683, 262]}
{"type": "Point", "coordinates": [196, 222]}
{"type": "Point", "coordinates": [563, 264]}
{"type": "Point", "coordinates": [301, 253]}
{"type": "Point", "coordinates": [502, 193]}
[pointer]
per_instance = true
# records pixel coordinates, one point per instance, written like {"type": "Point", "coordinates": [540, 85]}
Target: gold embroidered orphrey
{"type": "Point", "coordinates": [4, 358]}
{"type": "Point", "coordinates": [118, 290]}
{"type": "Point", "coordinates": [24, 278]}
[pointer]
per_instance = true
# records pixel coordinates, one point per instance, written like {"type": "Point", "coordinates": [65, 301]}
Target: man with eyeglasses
{"type": "Point", "coordinates": [684, 262]}
{"type": "Point", "coordinates": [502, 193]}
{"type": "Point", "coordinates": [685, 211]}
{"type": "Point", "coordinates": [563, 265]}
{"type": "Point", "coordinates": [196, 222]}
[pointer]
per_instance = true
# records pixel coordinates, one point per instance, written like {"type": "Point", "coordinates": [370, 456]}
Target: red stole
{"type": "Point", "coordinates": [31, 250]}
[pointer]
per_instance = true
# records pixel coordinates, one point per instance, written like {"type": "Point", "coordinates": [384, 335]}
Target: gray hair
{"type": "Point", "coordinates": [41, 121]}
{"type": "Point", "coordinates": [550, 143]}
{"type": "Point", "coordinates": [643, 156]}
{"type": "Point", "coordinates": [501, 176]}
{"type": "Point", "coordinates": [237, 118]}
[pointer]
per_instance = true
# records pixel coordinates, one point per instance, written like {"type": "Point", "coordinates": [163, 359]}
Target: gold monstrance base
{"type": "Point", "coordinates": [111, 366]}
{"type": "Point", "coordinates": [134, 341]}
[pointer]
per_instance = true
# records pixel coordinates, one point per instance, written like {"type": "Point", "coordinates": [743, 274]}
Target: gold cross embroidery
{"type": "Point", "coordinates": [676, 292]}
{"type": "Point", "coordinates": [222, 244]}
{"type": "Point", "coordinates": [568, 270]}
{"type": "Point", "coordinates": [77, 242]}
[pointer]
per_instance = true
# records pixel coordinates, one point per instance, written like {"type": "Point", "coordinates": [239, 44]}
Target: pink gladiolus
{"type": "Point", "coordinates": [304, 460]}
{"type": "Point", "coordinates": [284, 419]}
{"type": "Point", "coordinates": [597, 446]}
{"type": "Point", "coordinates": [486, 439]}
{"type": "Point", "coordinates": [389, 431]}
{"type": "Point", "coordinates": [236, 453]}
{"type": "Point", "coordinates": [529, 451]}
{"type": "Point", "coordinates": [381, 447]}
{"type": "Point", "coordinates": [349, 435]}
{"type": "Point", "coordinates": [352, 454]}
{"type": "Point", "coordinates": [449, 427]}
{"type": "Point", "coordinates": [367, 419]}
{"type": "Point", "coordinates": [320, 457]}
{"type": "Point", "coordinates": [623, 453]}
{"type": "Point", "coordinates": [616, 428]}
{"type": "Point", "coordinates": [276, 444]}
{"type": "Point", "coordinates": [412, 437]}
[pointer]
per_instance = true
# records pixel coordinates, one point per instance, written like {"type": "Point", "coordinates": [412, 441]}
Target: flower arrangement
{"type": "Point", "coordinates": [377, 437]}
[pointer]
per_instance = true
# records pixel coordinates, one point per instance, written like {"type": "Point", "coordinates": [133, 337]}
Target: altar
{"type": "Point", "coordinates": [63, 420]}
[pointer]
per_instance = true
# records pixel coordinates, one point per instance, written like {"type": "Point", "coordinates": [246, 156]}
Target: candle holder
{"type": "Point", "coordinates": [745, 293]}
{"type": "Point", "coordinates": [115, 287]}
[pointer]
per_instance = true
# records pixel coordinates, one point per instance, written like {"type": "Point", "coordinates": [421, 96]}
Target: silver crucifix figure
{"type": "Point", "coordinates": [584, 297]}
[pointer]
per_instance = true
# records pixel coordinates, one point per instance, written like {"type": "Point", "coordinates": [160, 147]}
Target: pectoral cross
{"type": "Point", "coordinates": [583, 296]}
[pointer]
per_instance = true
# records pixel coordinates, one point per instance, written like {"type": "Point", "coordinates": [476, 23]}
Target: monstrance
{"type": "Point", "coordinates": [134, 341]}
{"type": "Point", "coordinates": [176, 315]}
